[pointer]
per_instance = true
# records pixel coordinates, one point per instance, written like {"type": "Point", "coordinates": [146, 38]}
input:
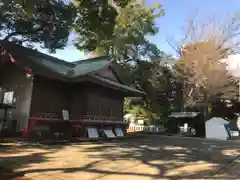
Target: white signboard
{"type": "Point", "coordinates": [234, 133]}
{"type": "Point", "coordinates": [141, 122]}
{"type": "Point", "coordinates": [8, 97]}
{"type": "Point", "coordinates": [185, 127]}
{"type": "Point", "coordinates": [92, 133]}
{"type": "Point", "coordinates": [65, 114]}
{"type": "Point", "coordinates": [109, 133]}
{"type": "Point", "coordinates": [119, 132]}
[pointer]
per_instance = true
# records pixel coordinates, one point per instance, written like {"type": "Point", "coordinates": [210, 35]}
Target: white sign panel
{"type": "Point", "coordinates": [65, 114]}
{"type": "Point", "coordinates": [109, 133]}
{"type": "Point", "coordinates": [92, 133]}
{"type": "Point", "coordinates": [185, 127]}
{"type": "Point", "coordinates": [8, 97]}
{"type": "Point", "coordinates": [140, 122]}
{"type": "Point", "coordinates": [119, 132]}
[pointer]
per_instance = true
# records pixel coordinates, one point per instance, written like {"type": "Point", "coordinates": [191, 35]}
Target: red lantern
{"type": "Point", "coordinates": [11, 58]}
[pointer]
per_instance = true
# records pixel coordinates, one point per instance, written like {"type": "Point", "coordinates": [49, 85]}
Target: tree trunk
{"type": "Point", "coordinates": [183, 99]}
{"type": "Point", "coordinates": [238, 90]}
{"type": "Point", "coordinates": [205, 107]}
{"type": "Point", "coordinates": [3, 123]}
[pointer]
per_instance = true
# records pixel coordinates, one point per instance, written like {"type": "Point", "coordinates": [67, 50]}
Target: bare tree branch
{"type": "Point", "coordinates": [201, 51]}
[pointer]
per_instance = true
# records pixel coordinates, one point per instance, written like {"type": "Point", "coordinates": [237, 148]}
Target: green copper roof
{"type": "Point", "coordinates": [80, 69]}
{"type": "Point", "coordinates": [89, 66]}
{"type": "Point", "coordinates": [118, 85]}
{"type": "Point", "coordinates": [49, 66]}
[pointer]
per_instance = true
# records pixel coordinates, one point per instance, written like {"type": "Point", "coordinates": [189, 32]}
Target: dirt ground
{"type": "Point", "coordinates": [153, 157]}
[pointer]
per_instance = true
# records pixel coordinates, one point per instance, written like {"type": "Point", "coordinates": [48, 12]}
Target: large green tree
{"type": "Point", "coordinates": [49, 22]}
{"type": "Point", "coordinates": [159, 81]}
{"type": "Point", "coordinates": [39, 21]}
{"type": "Point", "coordinates": [125, 37]}
{"type": "Point", "coordinates": [166, 95]}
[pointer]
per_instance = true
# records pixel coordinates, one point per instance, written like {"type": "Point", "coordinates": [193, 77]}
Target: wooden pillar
{"type": "Point", "coordinates": [84, 130]}
{"type": "Point", "coordinates": [239, 90]}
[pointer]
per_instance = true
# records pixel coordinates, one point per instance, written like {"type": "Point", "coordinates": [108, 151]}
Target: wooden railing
{"type": "Point", "coordinates": [83, 118]}
{"type": "Point", "coordinates": [45, 116]}
{"type": "Point", "coordinates": [98, 118]}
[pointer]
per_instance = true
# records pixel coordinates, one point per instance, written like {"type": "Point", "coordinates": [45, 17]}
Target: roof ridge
{"type": "Point", "coordinates": [114, 83]}
{"type": "Point", "coordinates": [91, 59]}
{"type": "Point", "coordinates": [37, 52]}
{"type": "Point", "coordinates": [56, 65]}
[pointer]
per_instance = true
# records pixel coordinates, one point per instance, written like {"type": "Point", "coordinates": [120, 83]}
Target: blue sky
{"type": "Point", "coordinates": [177, 12]}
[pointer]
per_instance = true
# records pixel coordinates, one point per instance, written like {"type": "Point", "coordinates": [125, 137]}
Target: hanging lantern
{"type": "Point", "coordinates": [28, 75]}
{"type": "Point", "coordinates": [28, 72]}
{"type": "Point", "coordinates": [11, 58]}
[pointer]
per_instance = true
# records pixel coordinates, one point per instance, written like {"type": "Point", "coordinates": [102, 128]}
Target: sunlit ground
{"type": "Point", "coordinates": [154, 157]}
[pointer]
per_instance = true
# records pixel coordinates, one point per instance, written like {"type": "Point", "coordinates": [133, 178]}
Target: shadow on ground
{"type": "Point", "coordinates": [152, 157]}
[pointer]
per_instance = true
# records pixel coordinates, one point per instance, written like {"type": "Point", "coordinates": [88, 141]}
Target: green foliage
{"type": "Point", "coordinates": [94, 23]}
{"type": "Point", "coordinates": [138, 109]}
{"type": "Point", "coordinates": [164, 92]}
{"type": "Point", "coordinates": [127, 105]}
{"type": "Point", "coordinates": [46, 22]}
{"type": "Point", "coordinates": [28, 5]}
{"type": "Point", "coordinates": [119, 31]}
